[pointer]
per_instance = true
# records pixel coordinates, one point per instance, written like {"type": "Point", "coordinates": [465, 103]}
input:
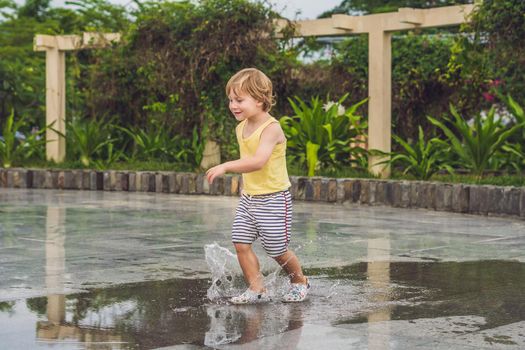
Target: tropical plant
{"type": "Point", "coordinates": [514, 157]}
{"type": "Point", "coordinates": [322, 135]}
{"type": "Point", "coordinates": [86, 139]}
{"type": "Point", "coordinates": [421, 159]}
{"type": "Point", "coordinates": [148, 143]}
{"type": "Point", "coordinates": [517, 112]}
{"type": "Point", "coordinates": [475, 145]}
{"type": "Point", "coordinates": [159, 144]}
{"type": "Point", "coordinates": [109, 156]}
{"type": "Point", "coordinates": [15, 146]}
{"type": "Point", "coordinates": [191, 151]}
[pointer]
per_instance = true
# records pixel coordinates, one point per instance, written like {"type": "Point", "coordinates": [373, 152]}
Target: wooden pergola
{"type": "Point", "coordinates": [55, 47]}
{"type": "Point", "coordinates": [379, 28]}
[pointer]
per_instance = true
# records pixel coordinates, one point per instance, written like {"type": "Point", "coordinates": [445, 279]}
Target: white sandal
{"type": "Point", "coordinates": [250, 297]}
{"type": "Point", "coordinates": [297, 292]}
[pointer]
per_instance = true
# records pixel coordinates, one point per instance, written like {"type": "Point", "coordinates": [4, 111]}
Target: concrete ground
{"type": "Point", "coordinates": [107, 270]}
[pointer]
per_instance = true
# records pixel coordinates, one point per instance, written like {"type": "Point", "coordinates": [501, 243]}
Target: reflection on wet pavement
{"type": "Point", "coordinates": [128, 271]}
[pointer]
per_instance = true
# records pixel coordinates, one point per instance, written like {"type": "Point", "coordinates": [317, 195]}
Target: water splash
{"type": "Point", "coordinates": [332, 291]}
{"type": "Point", "coordinates": [227, 278]}
{"type": "Point", "coordinates": [224, 268]}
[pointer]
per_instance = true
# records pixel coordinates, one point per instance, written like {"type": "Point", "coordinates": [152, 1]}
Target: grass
{"type": "Point", "coordinates": [515, 180]}
{"type": "Point", "coordinates": [497, 180]}
{"type": "Point", "coordinates": [297, 170]}
{"type": "Point", "coordinates": [131, 166]}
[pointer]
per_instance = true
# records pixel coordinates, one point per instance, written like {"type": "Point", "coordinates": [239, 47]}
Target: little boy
{"type": "Point", "coordinates": [265, 206]}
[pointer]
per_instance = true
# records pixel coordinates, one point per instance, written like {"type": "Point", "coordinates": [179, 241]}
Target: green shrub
{"type": "Point", "coordinates": [513, 157]}
{"type": "Point", "coordinates": [492, 50]}
{"type": "Point", "coordinates": [86, 139]}
{"type": "Point", "coordinates": [419, 83]}
{"type": "Point", "coordinates": [173, 65]}
{"type": "Point", "coordinates": [14, 149]}
{"type": "Point", "coordinates": [157, 144]}
{"type": "Point", "coordinates": [421, 159]}
{"type": "Point", "coordinates": [476, 144]}
{"type": "Point", "coordinates": [321, 135]}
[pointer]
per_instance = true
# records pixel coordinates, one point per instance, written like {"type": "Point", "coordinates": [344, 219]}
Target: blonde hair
{"type": "Point", "coordinates": [254, 83]}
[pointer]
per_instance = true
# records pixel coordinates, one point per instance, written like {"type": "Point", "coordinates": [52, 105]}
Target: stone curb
{"type": "Point", "coordinates": [458, 198]}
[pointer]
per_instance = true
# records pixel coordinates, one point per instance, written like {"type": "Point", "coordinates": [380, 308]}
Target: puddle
{"type": "Point", "coordinates": [473, 296]}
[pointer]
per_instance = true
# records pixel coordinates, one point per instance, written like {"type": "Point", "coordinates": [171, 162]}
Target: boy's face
{"type": "Point", "coordinates": [243, 106]}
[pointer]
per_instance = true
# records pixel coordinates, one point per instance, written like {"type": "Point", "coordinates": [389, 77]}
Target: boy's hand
{"type": "Point", "coordinates": [214, 172]}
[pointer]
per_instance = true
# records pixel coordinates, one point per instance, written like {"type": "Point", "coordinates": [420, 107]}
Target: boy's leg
{"type": "Point", "coordinates": [275, 221]}
{"type": "Point", "coordinates": [299, 283]}
{"type": "Point", "coordinates": [244, 232]}
{"type": "Point", "coordinates": [290, 263]}
{"type": "Point", "coordinates": [250, 266]}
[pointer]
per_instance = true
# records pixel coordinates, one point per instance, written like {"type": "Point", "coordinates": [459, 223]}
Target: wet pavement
{"type": "Point", "coordinates": [107, 270]}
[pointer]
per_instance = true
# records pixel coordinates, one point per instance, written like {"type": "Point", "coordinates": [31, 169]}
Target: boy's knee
{"type": "Point", "coordinates": [282, 259]}
{"type": "Point", "coordinates": [279, 259]}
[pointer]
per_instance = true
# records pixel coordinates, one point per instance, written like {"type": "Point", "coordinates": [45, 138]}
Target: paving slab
{"type": "Point", "coordinates": [117, 270]}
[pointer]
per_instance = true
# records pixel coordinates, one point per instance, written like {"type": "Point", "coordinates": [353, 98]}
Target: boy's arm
{"type": "Point", "coordinates": [269, 138]}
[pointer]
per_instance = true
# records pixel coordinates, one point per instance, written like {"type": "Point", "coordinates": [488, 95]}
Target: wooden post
{"type": "Point", "coordinates": [55, 104]}
{"type": "Point", "coordinates": [380, 93]}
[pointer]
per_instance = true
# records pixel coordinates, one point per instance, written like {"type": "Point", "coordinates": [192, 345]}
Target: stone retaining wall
{"type": "Point", "coordinates": [459, 198]}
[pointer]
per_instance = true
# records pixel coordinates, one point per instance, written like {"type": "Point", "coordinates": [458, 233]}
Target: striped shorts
{"type": "Point", "coordinates": [268, 217]}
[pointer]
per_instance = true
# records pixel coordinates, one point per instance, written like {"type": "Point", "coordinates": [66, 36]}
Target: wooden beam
{"type": "Point", "coordinates": [343, 22]}
{"type": "Point", "coordinates": [407, 19]}
{"type": "Point", "coordinates": [74, 42]}
{"type": "Point", "coordinates": [316, 27]}
{"type": "Point", "coordinates": [69, 42]}
{"type": "Point", "coordinates": [411, 16]}
{"type": "Point", "coordinates": [43, 42]}
{"type": "Point", "coordinates": [97, 40]}
{"type": "Point", "coordinates": [404, 19]}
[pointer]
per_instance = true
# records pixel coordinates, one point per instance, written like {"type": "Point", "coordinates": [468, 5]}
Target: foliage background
{"type": "Point", "coordinates": [170, 70]}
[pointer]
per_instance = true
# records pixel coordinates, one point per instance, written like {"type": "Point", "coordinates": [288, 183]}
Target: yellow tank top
{"type": "Point", "coordinates": [273, 176]}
